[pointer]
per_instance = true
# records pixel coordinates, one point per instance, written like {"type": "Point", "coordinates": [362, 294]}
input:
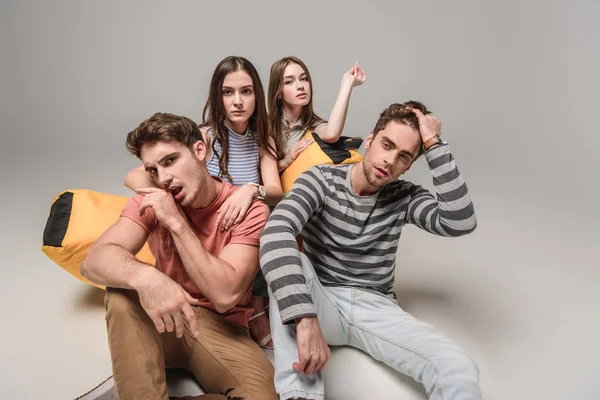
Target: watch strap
{"type": "Point", "coordinates": [261, 191]}
{"type": "Point", "coordinates": [429, 143]}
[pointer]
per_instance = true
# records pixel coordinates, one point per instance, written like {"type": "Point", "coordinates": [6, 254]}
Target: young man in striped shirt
{"type": "Point", "coordinates": [340, 290]}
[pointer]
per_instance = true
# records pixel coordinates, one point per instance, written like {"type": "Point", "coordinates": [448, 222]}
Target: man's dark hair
{"type": "Point", "coordinates": [400, 113]}
{"type": "Point", "coordinates": [163, 127]}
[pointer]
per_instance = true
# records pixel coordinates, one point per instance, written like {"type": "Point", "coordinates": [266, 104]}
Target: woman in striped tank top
{"type": "Point", "coordinates": [235, 127]}
{"type": "Point", "coordinates": [235, 124]}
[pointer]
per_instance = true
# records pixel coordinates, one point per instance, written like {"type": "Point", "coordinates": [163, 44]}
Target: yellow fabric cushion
{"type": "Point", "coordinates": [318, 152]}
{"type": "Point", "coordinates": [77, 218]}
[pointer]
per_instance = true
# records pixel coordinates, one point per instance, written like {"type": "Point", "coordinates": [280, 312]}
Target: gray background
{"type": "Point", "coordinates": [515, 84]}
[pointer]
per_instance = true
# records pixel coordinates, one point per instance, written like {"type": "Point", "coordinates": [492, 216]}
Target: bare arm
{"type": "Point", "coordinates": [270, 176]}
{"type": "Point", "coordinates": [224, 279]}
{"type": "Point", "coordinates": [237, 205]}
{"type": "Point", "coordinates": [138, 178]}
{"type": "Point", "coordinates": [111, 260]}
{"type": "Point", "coordinates": [332, 131]}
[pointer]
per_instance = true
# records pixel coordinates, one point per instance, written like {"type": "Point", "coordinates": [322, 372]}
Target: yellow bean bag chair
{"type": "Point", "coordinates": [77, 218]}
{"type": "Point", "coordinates": [344, 151]}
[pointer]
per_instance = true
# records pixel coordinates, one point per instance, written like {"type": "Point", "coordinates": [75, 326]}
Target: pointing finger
{"type": "Point", "coordinates": [192, 322]}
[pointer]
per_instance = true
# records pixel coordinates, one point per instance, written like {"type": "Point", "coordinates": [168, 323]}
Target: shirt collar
{"type": "Point", "coordinates": [286, 123]}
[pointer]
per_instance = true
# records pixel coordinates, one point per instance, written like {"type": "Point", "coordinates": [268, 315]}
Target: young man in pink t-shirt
{"type": "Point", "coordinates": [190, 310]}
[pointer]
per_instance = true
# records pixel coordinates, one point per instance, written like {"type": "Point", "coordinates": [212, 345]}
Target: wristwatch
{"type": "Point", "coordinates": [429, 143]}
{"type": "Point", "coordinates": [261, 191]}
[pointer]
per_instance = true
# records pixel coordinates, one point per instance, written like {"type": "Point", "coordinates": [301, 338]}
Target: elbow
{"type": "Point", "coordinates": [226, 303]}
{"type": "Point", "coordinates": [127, 181]}
{"type": "Point", "coordinates": [222, 308]}
{"type": "Point", "coordinates": [467, 228]}
{"type": "Point", "coordinates": [226, 300]}
{"type": "Point", "coordinates": [86, 267]}
{"type": "Point", "coordinates": [473, 224]}
{"type": "Point", "coordinates": [331, 137]}
{"type": "Point", "coordinates": [89, 266]}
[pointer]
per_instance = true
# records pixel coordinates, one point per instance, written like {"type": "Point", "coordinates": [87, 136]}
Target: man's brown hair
{"type": "Point", "coordinates": [400, 113]}
{"type": "Point", "coordinates": [213, 114]}
{"type": "Point", "coordinates": [163, 127]}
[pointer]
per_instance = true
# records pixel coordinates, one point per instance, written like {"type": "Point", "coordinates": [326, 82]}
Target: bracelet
{"type": "Point", "coordinates": [433, 142]}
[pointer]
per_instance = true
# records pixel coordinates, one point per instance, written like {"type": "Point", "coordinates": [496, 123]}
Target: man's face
{"type": "Point", "coordinates": [176, 169]}
{"type": "Point", "coordinates": [390, 153]}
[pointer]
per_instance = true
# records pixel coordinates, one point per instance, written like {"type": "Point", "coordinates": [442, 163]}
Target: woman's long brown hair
{"type": "Point", "coordinates": [213, 114]}
{"type": "Point", "coordinates": [309, 119]}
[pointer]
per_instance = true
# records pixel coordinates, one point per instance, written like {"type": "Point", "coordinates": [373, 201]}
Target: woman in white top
{"type": "Point", "coordinates": [291, 112]}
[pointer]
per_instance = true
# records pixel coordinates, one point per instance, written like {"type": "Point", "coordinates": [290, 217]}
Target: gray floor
{"type": "Point", "coordinates": [526, 323]}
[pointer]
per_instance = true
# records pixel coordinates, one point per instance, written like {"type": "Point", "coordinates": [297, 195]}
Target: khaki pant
{"type": "Point", "coordinates": [224, 359]}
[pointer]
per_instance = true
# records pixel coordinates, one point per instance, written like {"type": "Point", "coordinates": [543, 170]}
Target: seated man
{"type": "Point", "coordinates": [192, 310]}
{"type": "Point", "coordinates": [340, 291]}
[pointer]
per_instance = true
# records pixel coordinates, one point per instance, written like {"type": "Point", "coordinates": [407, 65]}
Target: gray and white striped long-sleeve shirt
{"type": "Point", "coordinates": [352, 240]}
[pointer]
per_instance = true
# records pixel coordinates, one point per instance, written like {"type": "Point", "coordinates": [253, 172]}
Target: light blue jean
{"type": "Point", "coordinates": [376, 325]}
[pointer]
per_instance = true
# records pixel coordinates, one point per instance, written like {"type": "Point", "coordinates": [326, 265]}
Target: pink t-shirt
{"type": "Point", "coordinates": [202, 221]}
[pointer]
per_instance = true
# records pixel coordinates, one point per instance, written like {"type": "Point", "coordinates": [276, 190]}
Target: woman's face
{"type": "Point", "coordinates": [238, 97]}
{"type": "Point", "coordinates": [296, 88]}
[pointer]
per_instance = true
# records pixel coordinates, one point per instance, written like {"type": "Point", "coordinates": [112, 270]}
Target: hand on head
{"type": "Point", "coordinates": [429, 126]}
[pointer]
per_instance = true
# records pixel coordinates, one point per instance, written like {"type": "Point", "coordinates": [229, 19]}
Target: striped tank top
{"type": "Point", "coordinates": [244, 160]}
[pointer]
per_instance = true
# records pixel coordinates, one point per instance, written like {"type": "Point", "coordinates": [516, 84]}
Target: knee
{"type": "Point", "coordinates": [266, 393]}
{"type": "Point", "coordinates": [459, 367]}
{"type": "Point", "coordinates": [458, 377]}
{"type": "Point", "coordinates": [260, 384]}
{"type": "Point", "coordinates": [258, 389]}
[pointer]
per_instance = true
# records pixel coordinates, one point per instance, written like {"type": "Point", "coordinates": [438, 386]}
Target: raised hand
{"type": "Point", "coordinates": [429, 126]}
{"type": "Point", "coordinates": [355, 76]}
